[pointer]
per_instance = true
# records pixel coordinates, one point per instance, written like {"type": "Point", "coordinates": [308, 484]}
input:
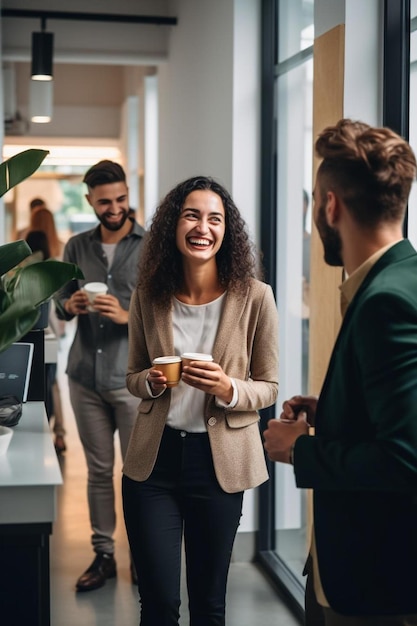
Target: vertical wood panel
{"type": "Point", "coordinates": [325, 316]}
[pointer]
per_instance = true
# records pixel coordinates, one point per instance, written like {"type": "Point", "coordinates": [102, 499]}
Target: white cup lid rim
{"type": "Point", "coordinates": [196, 356]}
{"type": "Point", "coordinates": [167, 359]}
{"type": "Point", "coordinates": [95, 286]}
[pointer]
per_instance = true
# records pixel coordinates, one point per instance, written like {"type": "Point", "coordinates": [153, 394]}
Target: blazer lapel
{"type": "Point", "coordinates": [163, 327]}
{"type": "Point", "coordinates": [396, 253]}
{"type": "Point", "coordinates": [233, 308]}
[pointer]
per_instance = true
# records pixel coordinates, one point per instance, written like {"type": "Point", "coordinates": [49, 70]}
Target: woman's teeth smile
{"type": "Point", "coordinates": [198, 242]}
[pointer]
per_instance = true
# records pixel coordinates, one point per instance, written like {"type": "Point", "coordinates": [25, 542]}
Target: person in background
{"type": "Point", "coordinates": [97, 359]}
{"type": "Point", "coordinates": [35, 203]}
{"type": "Point", "coordinates": [196, 447]}
{"type": "Point", "coordinates": [38, 241]}
{"type": "Point", "coordinates": [362, 460]}
{"type": "Point", "coordinates": [42, 218]}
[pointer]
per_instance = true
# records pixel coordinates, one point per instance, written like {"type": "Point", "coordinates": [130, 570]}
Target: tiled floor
{"type": "Point", "coordinates": [251, 600]}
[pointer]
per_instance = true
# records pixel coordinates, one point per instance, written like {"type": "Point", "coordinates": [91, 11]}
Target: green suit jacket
{"type": "Point", "coordinates": [362, 463]}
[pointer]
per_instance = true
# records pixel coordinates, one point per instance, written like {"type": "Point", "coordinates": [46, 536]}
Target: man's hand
{"type": "Point", "coordinates": [109, 306]}
{"type": "Point", "coordinates": [77, 303]}
{"type": "Point", "coordinates": [292, 407]}
{"type": "Point", "coordinates": [280, 436]}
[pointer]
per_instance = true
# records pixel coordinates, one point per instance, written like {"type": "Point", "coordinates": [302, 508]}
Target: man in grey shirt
{"type": "Point", "coordinates": [97, 359]}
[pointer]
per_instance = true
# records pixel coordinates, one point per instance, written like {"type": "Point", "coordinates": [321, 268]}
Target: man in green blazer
{"type": "Point", "coordinates": [361, 461]}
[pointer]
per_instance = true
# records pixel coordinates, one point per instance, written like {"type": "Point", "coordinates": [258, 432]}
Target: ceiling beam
{"type": "Point", "coordinates": [91, 17]}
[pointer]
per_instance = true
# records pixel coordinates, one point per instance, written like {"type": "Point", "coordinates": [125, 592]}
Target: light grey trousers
{"type": "Point", "coordinates": [98, 415]}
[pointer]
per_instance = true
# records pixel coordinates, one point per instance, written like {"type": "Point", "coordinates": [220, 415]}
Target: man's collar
{"type": "Point", "coordinates": [351, 285]}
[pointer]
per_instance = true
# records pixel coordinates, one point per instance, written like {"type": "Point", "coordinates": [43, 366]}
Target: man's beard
{"type": "Point", "coordinates": [330, 238]}
{"type": "Point", "coordinates": [113, 225]}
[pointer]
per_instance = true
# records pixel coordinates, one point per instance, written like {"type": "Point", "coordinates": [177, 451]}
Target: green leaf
{"type": "Point", "coordinates": [38, 282]}
{"type": "Point", "coordinates": [16, 321]}
{"type": "Point", "coordinates": [4, 300]}
{"type": "Point", "coordinates": [24, 287]}
{"type": "Point", "coordinates": [13, 253]}
{"type": "Point", "coordinates": [19, 167]}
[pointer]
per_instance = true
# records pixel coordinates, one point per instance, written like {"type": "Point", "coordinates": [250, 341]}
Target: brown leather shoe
{"type": "Point", "coordinates": [102, 568]}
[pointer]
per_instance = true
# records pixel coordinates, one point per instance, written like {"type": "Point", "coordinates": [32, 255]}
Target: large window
{"type": "Point", "coordinates": [294, 87]}
{"type": "Point", "coordinates": [284, 508]}
{"type": "Point", "coordinates": [285, 513]}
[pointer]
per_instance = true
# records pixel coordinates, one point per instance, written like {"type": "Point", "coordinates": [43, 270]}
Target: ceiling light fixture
{"type": "Point", "coordinates": [42, 54]}
{"type": "Point", "coordinates": [40, 101]}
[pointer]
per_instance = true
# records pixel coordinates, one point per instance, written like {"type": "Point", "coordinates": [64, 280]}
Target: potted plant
{"type": "Point", "coordinates": [23, 290]}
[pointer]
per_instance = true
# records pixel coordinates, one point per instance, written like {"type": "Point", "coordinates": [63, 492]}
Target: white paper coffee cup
{"type": "Point", "coordinates": [95, 289]}
{"type": "Point", "coordinates": [187, 357]}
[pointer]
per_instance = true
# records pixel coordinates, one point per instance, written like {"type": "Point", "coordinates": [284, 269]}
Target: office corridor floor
{"type": "Point", "coordinates": [251, 600]}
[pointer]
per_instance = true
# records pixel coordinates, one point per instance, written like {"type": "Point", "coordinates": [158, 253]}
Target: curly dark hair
{"type": "Point", "coordinates": [372, 169]}
{"type": "Point", "coordinates": [161, 270]}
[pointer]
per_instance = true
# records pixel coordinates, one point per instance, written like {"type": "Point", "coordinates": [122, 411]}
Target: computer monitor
{"type": "Point", "coordinates": [15, 369]}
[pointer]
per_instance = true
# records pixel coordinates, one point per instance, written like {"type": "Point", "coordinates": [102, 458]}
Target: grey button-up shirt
{"type": "Point", "coordinates": [98, 355]}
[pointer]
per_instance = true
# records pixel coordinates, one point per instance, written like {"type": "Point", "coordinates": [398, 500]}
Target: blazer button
{"type": "Point", "coordinates": [212, 421]}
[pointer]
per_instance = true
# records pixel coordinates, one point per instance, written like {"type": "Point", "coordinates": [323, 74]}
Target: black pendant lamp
{"type": "Point", "coordinates": [42, 54]}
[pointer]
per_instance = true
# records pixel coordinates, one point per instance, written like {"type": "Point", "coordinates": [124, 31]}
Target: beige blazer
{"type": "Point", "coordinates": [246, 347]}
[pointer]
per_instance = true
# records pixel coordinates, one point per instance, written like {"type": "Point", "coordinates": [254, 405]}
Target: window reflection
{"type": "Point", "coordinates": [296, 27]}
{"type": "Point", "coordinates": [294, 182]}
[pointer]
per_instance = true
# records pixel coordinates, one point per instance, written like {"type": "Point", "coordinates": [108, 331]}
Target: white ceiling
{"type": "Point", "coordinates": [96, 64]}
{"type": "Point", "coordinates": [90, 41]}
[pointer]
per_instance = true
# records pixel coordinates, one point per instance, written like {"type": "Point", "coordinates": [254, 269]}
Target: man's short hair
{"type": "Point", "coordinates": [371, 169]}
{"type": "Point", "coordinates": [103, 173]}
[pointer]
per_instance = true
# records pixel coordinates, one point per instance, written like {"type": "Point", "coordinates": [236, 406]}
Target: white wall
{"type": "Point", "coordinates": [209, 99]}
{"type": "Point", "coordinates": [246, 112]}
{"type": "Point", "coordinates": [196, 95]}
{"type": "Point", "coordinates": [151, 155]}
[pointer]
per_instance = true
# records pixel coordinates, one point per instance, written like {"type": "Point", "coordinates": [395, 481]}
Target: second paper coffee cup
{"type": "Point", "coordinates": [187, 357]}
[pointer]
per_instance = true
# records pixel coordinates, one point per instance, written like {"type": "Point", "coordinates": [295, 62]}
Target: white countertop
{"type": "Point", "coordinates": [29, 471]}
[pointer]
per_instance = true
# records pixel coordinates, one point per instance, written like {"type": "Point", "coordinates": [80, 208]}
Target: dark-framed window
{"type": "Point", "coordinates": [398, 102]}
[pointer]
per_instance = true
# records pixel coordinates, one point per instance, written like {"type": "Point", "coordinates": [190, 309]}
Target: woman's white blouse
{"type": "Point", "coordinates": [195, 329]}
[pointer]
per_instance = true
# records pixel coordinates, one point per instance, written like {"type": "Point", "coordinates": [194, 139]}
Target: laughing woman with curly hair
{"type": "Point", "coordinates": [195, 447]}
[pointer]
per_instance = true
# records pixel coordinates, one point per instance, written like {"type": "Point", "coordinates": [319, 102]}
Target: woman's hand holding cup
{"type": "Point", "coordinates": [201, 372]}
{"type": "Point", "coordinates": [166, 372]}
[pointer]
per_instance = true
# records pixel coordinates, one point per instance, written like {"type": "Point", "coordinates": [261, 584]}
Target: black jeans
{"type": "Point", "coordinates": [182, 496]}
